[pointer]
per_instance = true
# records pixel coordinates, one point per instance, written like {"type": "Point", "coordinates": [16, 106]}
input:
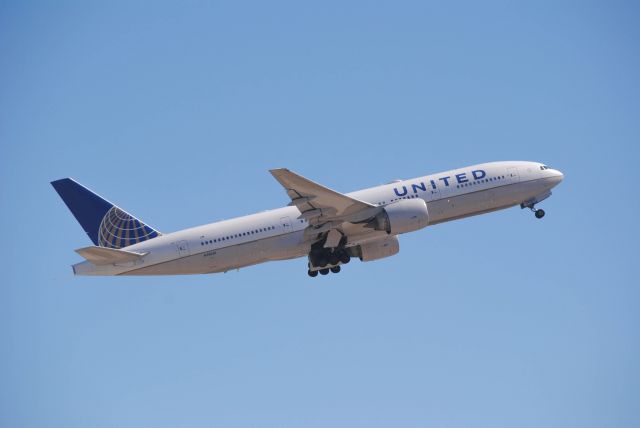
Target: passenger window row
{"type": "Point", "coordinates": [237, 235]}
{"type": "Point", "coordinates": [402, 197]}
{"type": "Point", "coordinates": [484, 180]}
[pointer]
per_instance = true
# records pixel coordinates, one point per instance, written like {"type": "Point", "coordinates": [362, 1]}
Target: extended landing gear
{"type": "Point", "coordinates": [532, 206]}
{"type": "Point", "coordinates": [324, 271]}
{"type": "Point", "coordinates": [327, 260]}
{"type": "Point", "coordinates": [537, 213]}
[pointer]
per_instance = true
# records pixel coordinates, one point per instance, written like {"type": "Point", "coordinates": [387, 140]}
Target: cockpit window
{"type": "Point", "coordinates": [543, 167]}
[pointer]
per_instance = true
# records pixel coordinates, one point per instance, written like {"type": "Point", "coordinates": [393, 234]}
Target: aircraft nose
{"type": "Point", "coordinates": [557, 177]}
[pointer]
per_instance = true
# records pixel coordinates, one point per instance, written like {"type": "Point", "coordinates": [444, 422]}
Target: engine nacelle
{"type": "Point", "coordinates": [379, 249]}
{"type": "Point", "coordinates": [403, 216]}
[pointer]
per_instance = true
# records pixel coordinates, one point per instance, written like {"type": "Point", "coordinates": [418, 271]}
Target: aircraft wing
{"type": "Point", "coordinates": [321, 205]}
{"type": "Point", "coordinates": [101, 256]}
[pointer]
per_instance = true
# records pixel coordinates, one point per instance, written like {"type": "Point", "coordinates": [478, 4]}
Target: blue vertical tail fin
{"type": "Point", "coordinates": [106, 224]}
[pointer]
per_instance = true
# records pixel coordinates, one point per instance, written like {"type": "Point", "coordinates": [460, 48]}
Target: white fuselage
{"type": "Point", "coordinates": [280, 234]}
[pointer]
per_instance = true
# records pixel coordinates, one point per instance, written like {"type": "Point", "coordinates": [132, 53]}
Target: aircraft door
{"type": "Point", "coordinates": [183, 248]}
{"type": "Point", "coordinates": [286, 224]}
{"type": "Point", "coordinates": [512, 175]}
{"type": "Point", "coordinates": [436, 203]}
{"type": "Point", "coordinates": [434, 194]}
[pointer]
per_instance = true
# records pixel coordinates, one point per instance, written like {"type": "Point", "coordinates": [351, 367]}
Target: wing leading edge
{"type": "Point", "coordinates": [319, 204]}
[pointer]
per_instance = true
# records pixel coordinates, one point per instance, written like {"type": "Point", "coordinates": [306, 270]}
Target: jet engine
{"type": "Point", "coordinates": [403, 216]}
{"type": "Point", "coordinates": [378, 249]}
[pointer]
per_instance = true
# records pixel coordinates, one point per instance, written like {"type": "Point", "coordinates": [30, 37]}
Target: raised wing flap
{"type": "Point", "coordinates": [316, 201]}
{"type": "Point", "coordinates": [101, 256]}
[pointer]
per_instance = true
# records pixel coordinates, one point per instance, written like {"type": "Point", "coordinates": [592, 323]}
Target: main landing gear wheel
{"type": "Point", "coordinates": [325, 260]}
{"type": "Point", "coordinates": [333, 259]}
{"type": "Point", "coordinates": [539, 213]}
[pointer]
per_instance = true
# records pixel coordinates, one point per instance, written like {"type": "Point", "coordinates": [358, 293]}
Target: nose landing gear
{"type": "Point", "coordinates": [531, 204]}
{"type": "Point", "coordinates": [539, 213]}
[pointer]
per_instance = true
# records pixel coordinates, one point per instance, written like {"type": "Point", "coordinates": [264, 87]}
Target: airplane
{"type": "Point", "coordinates": [328, 227]}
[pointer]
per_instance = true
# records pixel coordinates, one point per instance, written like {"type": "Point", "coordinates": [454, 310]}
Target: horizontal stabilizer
{"type": "Point", "coordinates": [101, 256]}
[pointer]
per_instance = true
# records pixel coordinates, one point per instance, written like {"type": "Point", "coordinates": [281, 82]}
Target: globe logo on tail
{"type": "Point", "coordinates": [120, 229]}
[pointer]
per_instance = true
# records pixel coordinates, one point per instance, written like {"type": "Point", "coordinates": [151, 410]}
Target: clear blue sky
{"type": "Point", "coordinates": [176, 112]}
